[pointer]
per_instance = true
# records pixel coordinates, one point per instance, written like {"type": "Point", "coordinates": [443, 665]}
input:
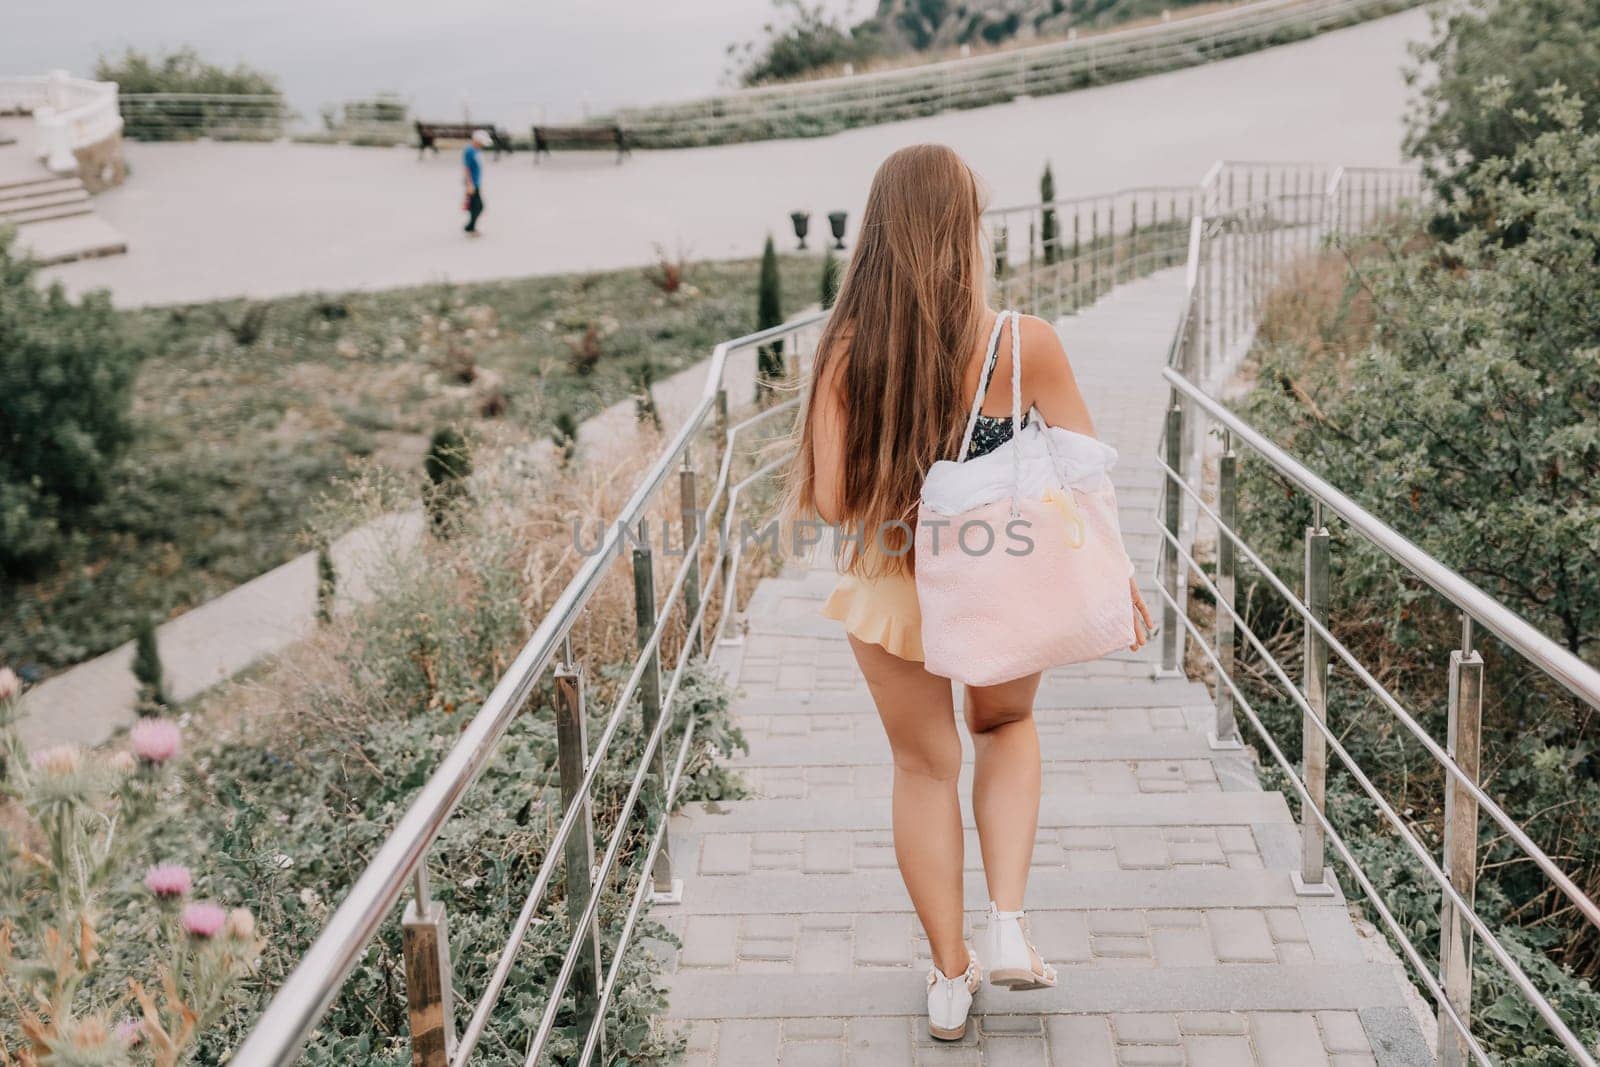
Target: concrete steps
{"type": "Point", "coordinates": [54, 215]}
{"type": "Point", "coordinates": [63, 240]}
{"type": "Point", "coordinates": [1160, 886]}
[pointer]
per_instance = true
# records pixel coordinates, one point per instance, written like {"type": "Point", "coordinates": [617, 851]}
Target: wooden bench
{"type": "Point", "coordinates": [429, 134]}
{"type": "Point", "coordinates": [548, 137]}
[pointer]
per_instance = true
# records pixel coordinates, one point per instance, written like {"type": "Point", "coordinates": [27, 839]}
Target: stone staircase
{"type": "Point", "coordinates": [54, 215]}
{"type": "Point", "coordinates": [1161, 885]}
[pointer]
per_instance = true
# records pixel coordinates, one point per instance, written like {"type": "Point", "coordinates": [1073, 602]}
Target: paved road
{"type": "Point", "coordinates": [1161, 883]}
{"type": "Point", "coordinates": [215, 220]}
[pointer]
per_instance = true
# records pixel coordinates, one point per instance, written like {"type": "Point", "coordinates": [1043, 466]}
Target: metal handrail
{"type": "Point", "coordinates": [1582, 680]}
{"type": "Point", "coordinates": [1234, 300]}
{"type": "Point", "coordinates": [305, 995]}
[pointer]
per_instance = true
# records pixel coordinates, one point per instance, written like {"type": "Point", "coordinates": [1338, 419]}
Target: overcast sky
{"type": "Point", "coordinates": [510, 58]}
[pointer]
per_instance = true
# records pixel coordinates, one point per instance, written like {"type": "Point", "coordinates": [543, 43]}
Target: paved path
{"type": "Point", "coordinates": [1161, 886]}
{"type": "Point", "coordinates": [213, 220]}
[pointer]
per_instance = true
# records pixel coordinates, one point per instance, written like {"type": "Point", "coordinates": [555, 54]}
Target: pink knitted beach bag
{"type": "Point", "coordinates": [1020, 561]}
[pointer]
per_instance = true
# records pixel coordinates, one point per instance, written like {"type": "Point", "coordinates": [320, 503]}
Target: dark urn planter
{"type": "Point", "coordinates": [802, 223]}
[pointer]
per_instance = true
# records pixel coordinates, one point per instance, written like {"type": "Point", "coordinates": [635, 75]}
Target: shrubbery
{"type": "Point", "coordinates": [310, 766]}
{"type": "Point", "coordinates": [66, 377]}
{"type": "Point", "coordinates": [106, 958]}
{"type": "Point", "coordinates": [1480, 80]}
{"type": "Point", "coordinates": [181, 71]}
{"type": "Point", "coordinates": [1454, 390]}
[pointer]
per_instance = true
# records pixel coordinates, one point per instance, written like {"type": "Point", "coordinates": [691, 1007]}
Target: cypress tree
{"type": "Point", "coordinates": [832, 270]}
{"type": "Point", "coordinates": [447, 465]}
{"type": "Point", "coordinates": [1047, 227]}
{"type": "Point", "coordinates": [327, 583]}
{"type": "Point", "coordinates": [147, 669]}
{"type": "Point", "coordinates": [769, 313]}
{"type": "Point", "coordinates": [565, 436]}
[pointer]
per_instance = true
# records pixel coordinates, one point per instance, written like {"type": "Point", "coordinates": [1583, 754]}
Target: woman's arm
{"type": "Point", "coordinates": [1047, 379]}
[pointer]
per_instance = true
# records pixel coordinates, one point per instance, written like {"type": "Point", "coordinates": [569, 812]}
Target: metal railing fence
{"type": "Point", "coordinates": [703, 582]}
{"type": "Point", "coordinates": [1240, 247]}
{"type": "Point", "coordinates": [826, 105]}
{"type": "Point", "coordinates": [1054, 258]}
{"type": "Point", "coordinates": [190, 116]}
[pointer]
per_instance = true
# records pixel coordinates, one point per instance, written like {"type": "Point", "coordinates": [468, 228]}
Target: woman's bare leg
{"type": "Point", "coordinates": [1005, 784]}
{"type": "Point", "coordinates": [918, 714]}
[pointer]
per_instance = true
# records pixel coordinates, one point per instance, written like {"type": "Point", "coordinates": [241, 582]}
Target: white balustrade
{"type": "Point", "coordinates": [69, 114]}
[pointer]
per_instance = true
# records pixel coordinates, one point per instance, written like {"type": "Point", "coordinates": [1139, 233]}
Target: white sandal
{"type": "Point", "coordinates": [950, 999]}
{"type": "Point", "coordinates": [1012, 955]}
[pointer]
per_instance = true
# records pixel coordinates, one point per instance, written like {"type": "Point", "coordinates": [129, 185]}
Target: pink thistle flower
{"type": "Point", "coordinates": [10, 684]}
{"type": "Point", "coordinates": [58, 761]}
{"type": "Point", "coordinates": [203, 920]}
{"type": "Point", "coordinates": [122, 762]}
{"type": "Point", "coordinates": [155, 740]}
{"type": "Point", "coordinates": [168, 881]}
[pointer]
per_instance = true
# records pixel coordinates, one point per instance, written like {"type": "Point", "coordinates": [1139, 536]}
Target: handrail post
{"type": "Point", "coordinates": [572, 754]}
{"type": "Point", "coordinates": [430, 1001]}
{"type": "Point", "coordinates": [1460, 844]}
{"type": "Point", "coordinates": [667, 890]}
{"type": "Point", "coordinates": [1225, 733]}
{"type": "Point", "coordinates": [1312, 878]}
{"type": "Point", "coordinates": [691, 527]}
{"type": "Point", "coordinates": [1172, 507]}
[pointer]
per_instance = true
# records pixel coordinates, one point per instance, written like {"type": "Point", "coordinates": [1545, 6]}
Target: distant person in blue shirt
{"type": "Point", "coordinates": [472, 162]}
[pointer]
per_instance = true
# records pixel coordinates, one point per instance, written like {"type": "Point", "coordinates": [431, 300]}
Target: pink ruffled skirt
{"type": "Point", "coordinates": [881, 611]}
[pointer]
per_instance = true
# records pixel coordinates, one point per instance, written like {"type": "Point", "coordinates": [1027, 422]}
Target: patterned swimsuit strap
{"type": "Point", "coordinates": [991, 354]}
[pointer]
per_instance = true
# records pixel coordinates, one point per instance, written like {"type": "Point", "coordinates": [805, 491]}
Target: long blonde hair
{"type": "Point", "coordinates": [908, 316]}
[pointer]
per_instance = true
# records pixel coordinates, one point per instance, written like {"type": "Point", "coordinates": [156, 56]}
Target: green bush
{"type": "Point", "coordinates": [564, 435]}
{"type": "Point", "coordinates": [1480, 79]}
{"type": "Point", "coordinates": [66, 375]}
{"type": "Point", "coordinates": [1492, 457]}
{"type": "Point", "coordinates": [1452, 390]}
{"type": "Point", "coordinates": [813, 39]}
{"type": "Point", "coordinates": [447, 465]}
{"type": "Point", "coordinates": [181, 71]}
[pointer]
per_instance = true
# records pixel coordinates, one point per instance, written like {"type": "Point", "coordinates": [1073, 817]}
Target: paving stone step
{"type": "Point", "coordinates": [1268, 987]}
{"type": "Point", "coordinates": [16, 205]}
{"type": "Point", "coordinates": [880, 890]}
{"type": "Point", "coordinates": [63, 240]}
{"type": "Point", "coordinates": [871, 781]}
{"type": "Point", "coordinates": [871, 748]}
{"type": "Point", "coordinates": [1055, 693]}
{"type": "Point", "coordinates": [30, 184]}
{"type": "Point", "coordinates": [1385, 1037]}
{"type": "Point", "coordinates": [776, 816]}
{"type": "Point", "coordinates": [838, 942]}
{"type": "Point", "coordinates": [758, 709]}
{"type": "Point", "coordinates": [67, 210]}
{"type": "Point", "coordinates": [1078, 849]}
